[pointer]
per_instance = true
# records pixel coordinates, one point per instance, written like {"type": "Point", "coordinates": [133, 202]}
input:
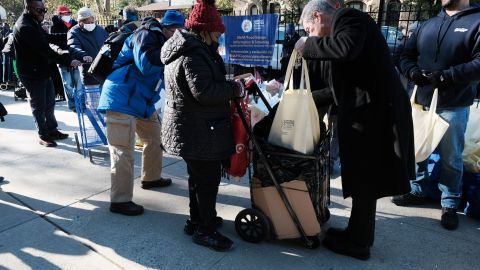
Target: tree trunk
{"type": "Point", "coordinates": [107, 7]}
{"type": "Point", "coordinates": [99, 6]}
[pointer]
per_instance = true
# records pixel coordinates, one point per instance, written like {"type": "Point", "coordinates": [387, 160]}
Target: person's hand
{"type": "Point", "coordinates": [87, 59]}
{"type": "Point", "coordinates": [418, 78]}
{"type": "Point", "coordinates": [75, 63]}
{"type": "Point", "coordinates": [438, 79]}
{"type": "Point", "coordinates": [239, 89]}
{"type": "Point", "coordinates": [300, 45]}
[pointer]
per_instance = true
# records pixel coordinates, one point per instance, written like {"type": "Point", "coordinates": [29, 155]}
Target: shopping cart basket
{"type": "Point", "coordinates": [279, 175]}
{"type": "Point", "coordinates": [91, 123]}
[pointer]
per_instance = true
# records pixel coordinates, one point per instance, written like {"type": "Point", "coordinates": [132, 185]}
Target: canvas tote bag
{"type": "Point", "coordinates": [296, 125]}
{"type": "Point", "coordinates": [471, 152]}
{"type": "Point", "coordinates": [428, 127]}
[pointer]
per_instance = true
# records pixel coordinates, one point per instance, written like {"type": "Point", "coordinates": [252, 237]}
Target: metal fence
{"type": "Point", "coordinates": [396, 23]}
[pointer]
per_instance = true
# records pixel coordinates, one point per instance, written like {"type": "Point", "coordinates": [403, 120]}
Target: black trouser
{"type": "Point", "coordinates": [204, 178]}
{"type": "Point", "coordinates": [361, 225]}
{"type": "Point", "coordinates": [42, 102]}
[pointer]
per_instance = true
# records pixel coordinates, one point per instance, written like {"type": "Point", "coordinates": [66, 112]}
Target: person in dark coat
{"type": "Point", "coordinates": [444, 53]}
{"type": "Point", "coordinates": [196, 124]}
{"type": "Point", "coordinates": [62, 23]}
{"type": "Point", "coordinates": [374, 116]}
{"type": "Point", "coordinates": [33, 56]}
{"type": "Point", "coordinates": [85, 40]}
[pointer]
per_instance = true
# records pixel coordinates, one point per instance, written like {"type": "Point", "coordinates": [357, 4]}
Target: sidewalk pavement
{"type": "Point", "coordinates": [54, 215]}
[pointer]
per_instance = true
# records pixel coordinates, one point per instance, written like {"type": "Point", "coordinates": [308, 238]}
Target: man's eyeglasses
{"type": "Point", "coordinates": [40, 10]}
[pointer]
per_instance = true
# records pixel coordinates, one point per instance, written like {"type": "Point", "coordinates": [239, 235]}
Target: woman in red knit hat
{"type": "Point", "coordinates": [196, 122]}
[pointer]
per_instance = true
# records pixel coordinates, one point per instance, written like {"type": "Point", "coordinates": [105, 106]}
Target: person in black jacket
{"type": "Point", "coordinates": [33, 55]}
{"type": "Point", "coordinates": [444, 53]}
{"type": "Point", "coordinates": [62, 22]}
{"type": "Point", "coordinates": [196, 124]}
{"type": "Point", "coordinates": [375, 127]}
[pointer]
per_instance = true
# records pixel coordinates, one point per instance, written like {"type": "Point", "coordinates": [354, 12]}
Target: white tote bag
{"type": "Point", "coordinates": [296, 125]}
{"type": "Point", "coordinates": [428, 127]}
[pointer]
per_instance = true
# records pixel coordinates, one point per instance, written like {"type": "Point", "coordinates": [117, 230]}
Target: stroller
{"type": "Point", "coordinates": [289, 190]}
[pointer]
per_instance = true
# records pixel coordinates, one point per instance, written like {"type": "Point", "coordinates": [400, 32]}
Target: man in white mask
{"type": "Point", "coordinates": [62, 22]}
{"type": "Point", "coordinates": [85, 41]}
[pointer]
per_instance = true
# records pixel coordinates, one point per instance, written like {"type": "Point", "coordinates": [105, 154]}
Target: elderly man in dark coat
{"type": "Point", "coordinates": [374, 116]}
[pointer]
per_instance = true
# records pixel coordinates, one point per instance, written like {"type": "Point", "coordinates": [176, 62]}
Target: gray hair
{"type": "Point", "coordinates": [325, 6]}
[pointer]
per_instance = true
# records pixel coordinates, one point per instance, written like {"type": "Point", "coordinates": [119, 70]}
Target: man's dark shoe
{"type": "Point", "coordinates": [47, 141]}
{"type": "Point", "coordinates": [337, 232]}
{"type": "Point", "coordinates": [162, 182]}
{"type": "Point", "coordinates": [346, 247]}
{"type": "Point", "coordinates": [213, 240]}
{"type": "Point", "coordinates": [408, 199]}
{"type": "Point", "coordinates": [57, 135]}
{"type": "Point", "coordinates": [126, 208]}
{"type": "Point", "coordinates": [449, 218]}
{"type": "Point", "coordinates": [191, 227]}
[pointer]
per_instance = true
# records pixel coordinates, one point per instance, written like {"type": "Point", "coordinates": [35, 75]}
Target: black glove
{"type": "Point", "coordinates": [438, 79]}
{"type": "Point", "coordinates": [418, 78]}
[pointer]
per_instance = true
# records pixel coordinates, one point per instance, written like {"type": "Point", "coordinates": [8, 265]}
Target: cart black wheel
{"type": "Point", "coordinates": [90, 155]}
{"type": "Point", "coordinates": [77, 143]}
{"type": "Point", "coordinates": [252, 225]}
{"type": "Point", "coordinates": [326, 215]}
{"type": "Point", "coordinates": [314, 242]}
{"type": "Point", "coordinates": [16, 99]}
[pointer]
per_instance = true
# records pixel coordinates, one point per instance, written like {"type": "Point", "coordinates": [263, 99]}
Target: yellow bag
{"type": "Point", "coordinates": [471, 152]}
{"type": "Point", "coordinates": [296, 125]}
{"type": "Point", "coordinates": [428, 127]}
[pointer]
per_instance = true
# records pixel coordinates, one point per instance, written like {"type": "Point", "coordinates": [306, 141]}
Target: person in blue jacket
{"type": "Point", "coordinates": [128, 97]}
{"type": "Point", "coordinates": [444, 53]}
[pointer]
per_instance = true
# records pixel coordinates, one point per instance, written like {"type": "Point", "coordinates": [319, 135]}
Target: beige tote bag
{"type": "Point", "coordinates": [471, 152]}
{"type": "Point", "coordinates": [296, 125]}
{"type": "Point", "coordinates": [428, 127]}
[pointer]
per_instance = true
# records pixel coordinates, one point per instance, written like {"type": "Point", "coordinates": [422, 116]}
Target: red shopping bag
{"type": "Point", "coordinates": [240, 160]}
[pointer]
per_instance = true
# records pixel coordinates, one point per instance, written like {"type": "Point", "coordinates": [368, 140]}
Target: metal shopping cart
{"type": "Point", "coordinates": [91, 123]}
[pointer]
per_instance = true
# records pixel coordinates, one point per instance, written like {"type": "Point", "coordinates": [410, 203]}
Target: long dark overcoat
{"type": "Point", "coordinates": [374, 114]}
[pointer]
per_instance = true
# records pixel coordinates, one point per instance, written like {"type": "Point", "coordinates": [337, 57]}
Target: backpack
{"type": "Point", "coordinates": [102, 65]}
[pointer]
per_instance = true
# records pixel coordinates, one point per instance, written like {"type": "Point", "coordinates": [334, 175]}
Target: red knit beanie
{"type": "Point", "coordinates": [63, 9]}
{"type": "Point", "coordinates": [205, 17]}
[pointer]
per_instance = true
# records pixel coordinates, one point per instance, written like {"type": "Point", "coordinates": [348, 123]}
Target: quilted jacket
{"type": "Point", "coordinates": [196, 121]}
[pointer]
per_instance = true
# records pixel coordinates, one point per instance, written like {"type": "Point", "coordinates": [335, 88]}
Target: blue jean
{"type": "Point", "coordinates": [71, 83]}
{"type": "Point", "coordinates": [42, 102]}
{"type": "Point", "coordinates": [450, 150]}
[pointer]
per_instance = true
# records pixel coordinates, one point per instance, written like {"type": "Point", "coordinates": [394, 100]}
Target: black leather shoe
{"type": "Point", "coordinates": [449, 218]}
{"type": "Point", "coordinates": [408, 199]}
{"type": "Point", "coordinates": [213, 240]}
{"type": "Point", "coordinates": [346, 247]}
{"type": "Point", "coordinates": [47, 141]}
{"type": "Point", "coordinates": [190, 227]}
{"type": "Point", "coordinates": [162, 182]}
{"type": "Point", "coordinates": [126, 208]}
{"type": "Point", "coordinates": [337, 232]}
{"type": "Point", "coordinates": [57, 135]}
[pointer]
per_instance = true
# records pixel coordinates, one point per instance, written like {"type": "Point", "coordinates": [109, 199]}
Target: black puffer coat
{"type": "Point", "coordinates": [196, 121]}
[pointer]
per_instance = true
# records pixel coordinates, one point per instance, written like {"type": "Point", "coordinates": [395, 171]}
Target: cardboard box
{"type": "Point", "coordinates": [269, 201]}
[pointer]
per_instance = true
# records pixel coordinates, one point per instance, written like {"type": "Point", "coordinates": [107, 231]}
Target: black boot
{"type": "Point", "coordinates": [345, 247]}
{"type": "Point", "coordinates": [213, 240]}
{"type": "Point", "coordinates": [162, 182]}
{"type": "Point", "coordinates": [126, 208]}
{"type": "Point", "coordinates": [191, 227]}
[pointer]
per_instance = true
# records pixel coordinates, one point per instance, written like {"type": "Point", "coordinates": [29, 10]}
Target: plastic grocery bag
{"type": "Point", "coordinates": [471, 152]}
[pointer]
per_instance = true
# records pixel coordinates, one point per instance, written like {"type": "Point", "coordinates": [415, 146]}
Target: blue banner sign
{"type": "Point", "coordinates": [249, 40]}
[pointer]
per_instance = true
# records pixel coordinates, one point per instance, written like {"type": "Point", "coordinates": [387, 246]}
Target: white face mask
{"type": "Point", "coordinates": [89, 26]}
{"type": "Point", "coordinates": [66, 18]}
